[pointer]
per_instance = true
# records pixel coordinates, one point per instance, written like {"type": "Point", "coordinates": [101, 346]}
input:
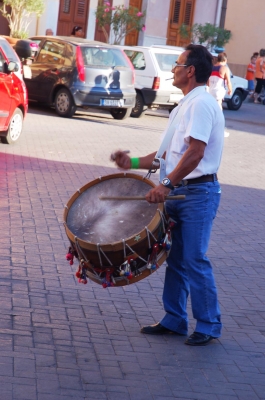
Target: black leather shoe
{"type": "Point", "coordinates": [157, 329]}
{"type": "Point", "coordinates": [199, 339]}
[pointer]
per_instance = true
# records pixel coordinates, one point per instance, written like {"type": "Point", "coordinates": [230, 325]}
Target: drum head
{"type": "Point", "coordinates": [108, 221]}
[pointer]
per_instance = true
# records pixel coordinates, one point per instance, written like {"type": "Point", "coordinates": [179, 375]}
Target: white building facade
{"type": "Point", "coordinates": [162, 21]}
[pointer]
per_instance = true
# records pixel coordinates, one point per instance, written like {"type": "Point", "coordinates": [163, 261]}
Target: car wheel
{"type": "Point", "coordinates": [120, 113]}
{"type": "Point", "coordinates": [139, 108]}
{"type": "Point", "coordinates": [236, 101]}
{"type": "Point", "coordinates": [15, 128]}
{"type": "Point", "coordinates": [64, 103]}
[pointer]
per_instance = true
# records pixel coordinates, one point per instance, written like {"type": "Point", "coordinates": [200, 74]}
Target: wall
{"type": "Point", "coordinates": [207, 11]}
{"type": "Point", "coordinates": [48, 19]}
{"type": "Point", "coordinates": [156, 22]}
{"type": "Point", "coordinates": [245, 19]}
{"type": "Point", "coordinates": [91, 19]}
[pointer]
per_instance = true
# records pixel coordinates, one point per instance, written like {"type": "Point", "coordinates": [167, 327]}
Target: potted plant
{"type": "Point", "coordinates": [121, 19]}
{"type": "Point", "coordinates": [17, 13]}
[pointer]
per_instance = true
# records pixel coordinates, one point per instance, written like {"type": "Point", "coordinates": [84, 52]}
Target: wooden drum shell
{"type": "Point", "coordinates": [115, 251]}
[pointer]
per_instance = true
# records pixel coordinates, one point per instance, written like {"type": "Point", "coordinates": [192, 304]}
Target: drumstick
{"type": "Point", "coordinates": [177, 197]}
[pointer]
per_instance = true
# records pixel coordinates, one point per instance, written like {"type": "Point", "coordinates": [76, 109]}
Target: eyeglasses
{"type": "Point", "coordinates": [179, 65]}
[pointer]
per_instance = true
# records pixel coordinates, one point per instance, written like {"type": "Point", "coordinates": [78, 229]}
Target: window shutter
{"type": "Point", "coordinates": [66, 6]}
{"type": "Point", "coordinates": [176, 13]}
{"type": "Point", "coordinates": [81, 8]}
{"type": "Point", "coordinates": [187, 15]}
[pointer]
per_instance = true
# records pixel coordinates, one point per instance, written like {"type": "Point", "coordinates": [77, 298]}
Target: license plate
{"type": "Point", "coordinates": [109, 102]}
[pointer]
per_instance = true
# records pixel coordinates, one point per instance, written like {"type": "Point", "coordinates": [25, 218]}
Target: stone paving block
{"type": "Point", "coordinates": [50, 386]}
{"type": "Point", "coordinates": [6, 395]}
{"type": "Point", "coordinates": [24, 392]}
{"type": "Point", "coordinates": [96, 395]}
{"type": "Point", "coordinates": [137, 393]}
{"type": "Point", "coordinates": [119, 396]}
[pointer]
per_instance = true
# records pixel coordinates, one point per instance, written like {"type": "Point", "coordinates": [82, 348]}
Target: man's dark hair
{"type": "Point", "coordinates": [202, 60]}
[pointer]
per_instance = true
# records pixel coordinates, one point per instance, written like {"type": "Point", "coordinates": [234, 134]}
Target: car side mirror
{"type": "Point", "coordinates": [13, 67]}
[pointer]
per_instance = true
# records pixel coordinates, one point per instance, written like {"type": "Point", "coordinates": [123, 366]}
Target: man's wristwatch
{"type": "Point", "coordinates": [167, 183]}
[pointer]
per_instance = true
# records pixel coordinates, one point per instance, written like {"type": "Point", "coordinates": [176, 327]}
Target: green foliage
{"type": "Point", "coordinates": [209, 35]}
{"type": "Point", "coordinates": [122, 20]}
{"type": "Point", "coordinates": [17, 13]}
{"type": "Point", "coordinates": [20, 34]}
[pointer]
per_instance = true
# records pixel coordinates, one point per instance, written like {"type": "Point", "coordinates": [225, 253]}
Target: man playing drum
{"type": "Point", "coordinates": [192, 159]}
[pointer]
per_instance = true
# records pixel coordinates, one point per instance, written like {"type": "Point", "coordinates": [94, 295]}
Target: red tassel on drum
{"type": "Point", "coordinates": [70, 256]}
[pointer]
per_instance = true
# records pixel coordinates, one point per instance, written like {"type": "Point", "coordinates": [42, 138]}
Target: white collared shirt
{"type": "Point", "coordinates": [202, 120]}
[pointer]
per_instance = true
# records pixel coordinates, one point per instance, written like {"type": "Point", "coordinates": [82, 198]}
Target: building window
{"type": "Point", "coordinates": [176, 11]}
{"type": "Point", "coordinates": [66, 6]}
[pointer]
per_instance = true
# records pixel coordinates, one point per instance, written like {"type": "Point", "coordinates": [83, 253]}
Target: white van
{"type": "Point", "coordinates": [153, 77]}
{"type": "Point", "coordinates": [153, 83]}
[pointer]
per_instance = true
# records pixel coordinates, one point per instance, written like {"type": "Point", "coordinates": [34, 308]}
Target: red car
{"type": "Point", "coordinates": [13, 94]}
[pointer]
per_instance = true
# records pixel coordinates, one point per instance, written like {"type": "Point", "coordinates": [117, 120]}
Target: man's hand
{"type": "Point", "coordinates": [121, 159]}
{"type": "Point", "coordinates": [157, 195]}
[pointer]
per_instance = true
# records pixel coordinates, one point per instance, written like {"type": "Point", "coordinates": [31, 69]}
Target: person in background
{"type": "Point", "coordinates": [259, 75]}
{"type": "Point", "coordinates": [220, 77]}
{"type": "Point", "coordinates": [77, 31]}
{"type": "Point", "coordinates": [49, 32]}
{"type": "Point", "coordinates": [250, 75]}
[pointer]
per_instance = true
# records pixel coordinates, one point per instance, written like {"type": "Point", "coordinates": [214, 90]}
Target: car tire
{"type": "Point", "coordinates": [236, 101]}
{"type": "Point", "coordinates": [120, 113]}
{"type": "Point", "coordinates": [139, 108]}
{"type": "Point", "coordinates": [64, 103]}
{"type": "Point", "coordinates": [15, 128]}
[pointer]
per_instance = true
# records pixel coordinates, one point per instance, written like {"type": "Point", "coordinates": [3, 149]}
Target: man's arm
{"type": "Point", "coordinates": [124, 161]}
{"type": "Point", "coordinates": [187, 164]}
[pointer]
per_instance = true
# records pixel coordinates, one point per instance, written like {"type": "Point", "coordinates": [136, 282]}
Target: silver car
{"type": "Point", "coordinates": [70, 72]}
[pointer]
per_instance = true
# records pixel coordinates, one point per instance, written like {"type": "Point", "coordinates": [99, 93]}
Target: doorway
{"type": "Point", "coordinates": [72, 13]}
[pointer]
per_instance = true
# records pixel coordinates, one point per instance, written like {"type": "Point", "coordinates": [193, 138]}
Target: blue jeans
{"type": "Point", "coordinates": [189, 271]}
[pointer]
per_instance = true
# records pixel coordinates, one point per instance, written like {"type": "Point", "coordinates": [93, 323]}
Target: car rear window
{"type": "Point", "coordinates": [165, 61]}
{"type": "Point", "coordinates": [94, 56]}
{"type": "Point", "coordinates": [9, 52]}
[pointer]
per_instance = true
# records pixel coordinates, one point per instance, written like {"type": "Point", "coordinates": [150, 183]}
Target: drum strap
{"type": "Point", "coordinates": [159, 161]}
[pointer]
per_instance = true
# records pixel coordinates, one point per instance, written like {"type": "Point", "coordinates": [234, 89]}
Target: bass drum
{"type": "Point", "coordinates": [117, 242]}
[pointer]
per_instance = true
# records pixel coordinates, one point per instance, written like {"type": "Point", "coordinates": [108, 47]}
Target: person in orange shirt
{"type": "Point", "coordinates": [250, 75]}
{"type": "Point", "coordinates": [260, 75]}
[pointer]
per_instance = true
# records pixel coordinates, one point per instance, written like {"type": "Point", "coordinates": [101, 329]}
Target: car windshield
{"type": "Point", "coordinates": [9, 52]}
{"type": "Point", "coordinates": [165, 61]}
{"type": "Point", "coordinates": [94, 56]}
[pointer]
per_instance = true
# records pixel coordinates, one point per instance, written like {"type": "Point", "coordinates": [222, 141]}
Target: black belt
{"type": "Point", "coordinates": [194, 181]}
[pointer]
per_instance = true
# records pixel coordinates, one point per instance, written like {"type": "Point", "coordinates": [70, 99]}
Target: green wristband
{"type": "Point", "coordinates": [135, 162]}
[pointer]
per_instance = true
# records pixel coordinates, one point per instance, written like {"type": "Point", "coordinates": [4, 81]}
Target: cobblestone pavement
{"type": "Point", "coordinates": [60, 340]}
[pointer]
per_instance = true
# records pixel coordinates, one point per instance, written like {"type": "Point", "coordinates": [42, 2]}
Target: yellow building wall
{"type": "Point", "coordinates": [246, 20]}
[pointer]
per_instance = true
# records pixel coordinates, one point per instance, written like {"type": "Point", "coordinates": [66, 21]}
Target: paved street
{"type": "Point", "coordinates": [61, 340]}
